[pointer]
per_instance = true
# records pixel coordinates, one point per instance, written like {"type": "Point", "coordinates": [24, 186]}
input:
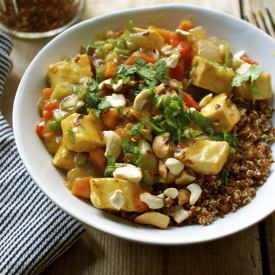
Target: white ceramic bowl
{"type": "Point", "coordinates": [240, 34]}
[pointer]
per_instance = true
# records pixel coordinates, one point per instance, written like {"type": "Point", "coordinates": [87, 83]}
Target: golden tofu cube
{"type": "Point", "coordinates": [73, 71]}
{"type": "Point", "coordinates": [206, 157]}
{"type": "Point", "coordinates": [211, 76]}
{"type": "Point", "coordinates": [262, 85]}
{"type": "Point", "coordinates": [222, 112]}
{"type": "Point", "coordinates": [82, 133]}
{"type": "Point", "coordinates": [64, 158]}
{"type": "Point", "coordinates": [102, 190]}
{"type": "Point", "coordinates": [142, 38]}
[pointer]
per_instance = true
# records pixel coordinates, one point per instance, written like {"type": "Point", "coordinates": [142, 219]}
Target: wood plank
{"type": "Point", "coordinates": [269, 235]}
{"type": "Point", "coordinates": [99, 253]}
{"type": "Point", "coordinates": [238, 254]}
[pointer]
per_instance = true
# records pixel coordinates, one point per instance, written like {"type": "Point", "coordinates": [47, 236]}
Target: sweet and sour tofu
{"type": "Point", "coordinates": [262, 88]}
{"type": "Point", "coordinates": [73, 71]}
{"type": "Point", "coordinates": [144, 38]}
{"type": "Point", "coordinates": [211, 76]}
{"type": "Point", "coordinates": [222, 112]}
{"type": "Point", "coordinates": [114, 194]}
{"type": "Point", "coordinates": [81, 133]}
{"type": "Point", "coordinates": [206, 157]}
{"type": "Point", "coordinates": [64, 158]}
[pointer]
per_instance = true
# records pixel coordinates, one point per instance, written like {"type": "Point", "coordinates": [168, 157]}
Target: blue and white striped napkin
{"type": "Point", "coordinates": [33, 230]}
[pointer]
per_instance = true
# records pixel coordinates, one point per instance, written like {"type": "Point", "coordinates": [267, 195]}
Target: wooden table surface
{"type": "Point", "coordinates": [251, 251]}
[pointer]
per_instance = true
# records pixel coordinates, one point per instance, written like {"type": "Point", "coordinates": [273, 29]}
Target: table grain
{"type": "Point", "coordinates": [251, 251]}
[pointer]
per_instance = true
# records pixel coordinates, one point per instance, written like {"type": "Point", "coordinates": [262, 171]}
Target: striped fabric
{"type": "Point", "coordinates": [33, 230]}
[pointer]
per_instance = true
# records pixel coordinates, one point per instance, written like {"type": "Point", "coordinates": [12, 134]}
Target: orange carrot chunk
{"type": "Point", "coordinates": [110, 118]}
{"type": "Point", "coordinates": [98, 159]}
{"type": "Point", "coordinates": [81, 187]}
{"type": "Point", "coordinates": [109, 69]}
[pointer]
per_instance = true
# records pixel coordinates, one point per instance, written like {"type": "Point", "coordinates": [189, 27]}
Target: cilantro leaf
{"type": "Point", "coordinates": [232, 140]}
{"type": "Point", "coordinates": [161, 71]}
{"type": "Point", "coordinates": [137, 128]}
{"type": "Point", "coordinates": [151, 75]}
{"type": "Point", "coordinates": [130, 149]}
{"type": "Point", "coordinates": [110, 167]}
{"type": "Point", "coordinates": [205, 124]}
{"type": "Point", "coordinates": [224, 174]}
{"type": "Point", "coordinates": [71, 135]}
{"type": "Point", "coordinates": [92, 98]}
{"type": "Point", "coordinates": [253, 73]}
{"type": "Point", "coordinates": [192, 133]}
{"type": "Point", "coordinates": [104, 104]}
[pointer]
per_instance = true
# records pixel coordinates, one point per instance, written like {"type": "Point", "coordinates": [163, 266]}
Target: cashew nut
{"type": "Point", "coordinates": [161, 146]}
{"type": "Point", "coordinates": [175, 166]}
{"type": "Point", "coordinates": [171, 193]}
{"type": "Point", "coordinates": [116, 100]}
{"type": "Point", "coordinates": [195, 191]}
{"type": "Point", "coordinates": [141, 99]}
{"type": "Point", "coordinates": [117, 86]}
{"type": "Point", "coordinates": [205, 100]}
{"type": "Point", "coordinates": [153, 218]}
{"type": "Point", "coordinates": [162, 169]}
{"type": "Point", "coordinates": [167, 49]}
{"type": "Point", "coordinates": [173, 60]}
{"type": "Point", "coordinates": [180, 214]}
{"type": "Point", "coordinates": [183, 196]}
{"type": "Point", "coordinates": [184, 178]}
{"type": "Point", "coordinates": [152, 201]}
{"type": "Point", "coordinates": [128, 172]}
{"type": "Point", "coordinates": [113, 144]}
{"type": "Point", "coordinates": [108, 83]}
{"type": "Point", "coordinates": [117, 200]}
{"type": "Point", "coordinates": [182, 32]}
{"type": "Point", "coordinates": [170, 178]}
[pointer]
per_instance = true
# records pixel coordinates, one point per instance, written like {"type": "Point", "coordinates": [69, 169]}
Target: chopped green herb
{"type": "Point", "coordinates": [104, 104]}
{"type": "Point", "coordinates": [71, 135]}
{"type": "Point", "coordinates": [232, 140]}
{"type": "Point", "coordinates": [205, 124]}
{"type": "Point", "coordinates": [161, 70]}
{"type": "Point", "coordinates": [110, 167]}
{"type": "Point", "coordinates": [151, 76]}
{"type": "Point", "coordinates": [253, 73]}
{"type": "Point", "coordinates": [137, 128]}
{"type": "Point", "coordinates": [130, 148]}
{"type": "Point", "coordinates": [92, 98]}
{"type": "Point", "coordinates": [189, 132]}
{"type": "Point", "coordinates": [227, 55]}
{"type": "Point", "coordinates": [224, 176]}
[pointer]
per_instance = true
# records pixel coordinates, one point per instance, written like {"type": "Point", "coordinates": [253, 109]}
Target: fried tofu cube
{"type": "Point", "coordinates": [82, 133]}
{"type": "Point", "coordinates": [222, 112]}
{"type": "Point", "coordinates": [64, 158]}
{"type": "Point", "coordinates": [262, 86]}
{"type": "Point", "coordinates": [211, 76]}
{"type": "Point", "coordinates": [143, 38]}
{"type": "Point", "coordinates": [73, 71]}
{"type": "Point", "coordinates": [206, 157]}
{"type": "Point", "coordinates": [114, 194]}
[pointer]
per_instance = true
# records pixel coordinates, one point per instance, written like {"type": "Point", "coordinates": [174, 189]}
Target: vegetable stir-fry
{"type": "Point", "coordinates": [140, 119]}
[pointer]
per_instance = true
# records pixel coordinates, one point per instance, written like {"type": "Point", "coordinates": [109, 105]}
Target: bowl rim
{"type": "Point", "coordinates": [16, 115]}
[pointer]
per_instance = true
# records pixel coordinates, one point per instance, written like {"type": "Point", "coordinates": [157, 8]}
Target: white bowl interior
{"type": "Point", "coordinates": [38, 162]}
